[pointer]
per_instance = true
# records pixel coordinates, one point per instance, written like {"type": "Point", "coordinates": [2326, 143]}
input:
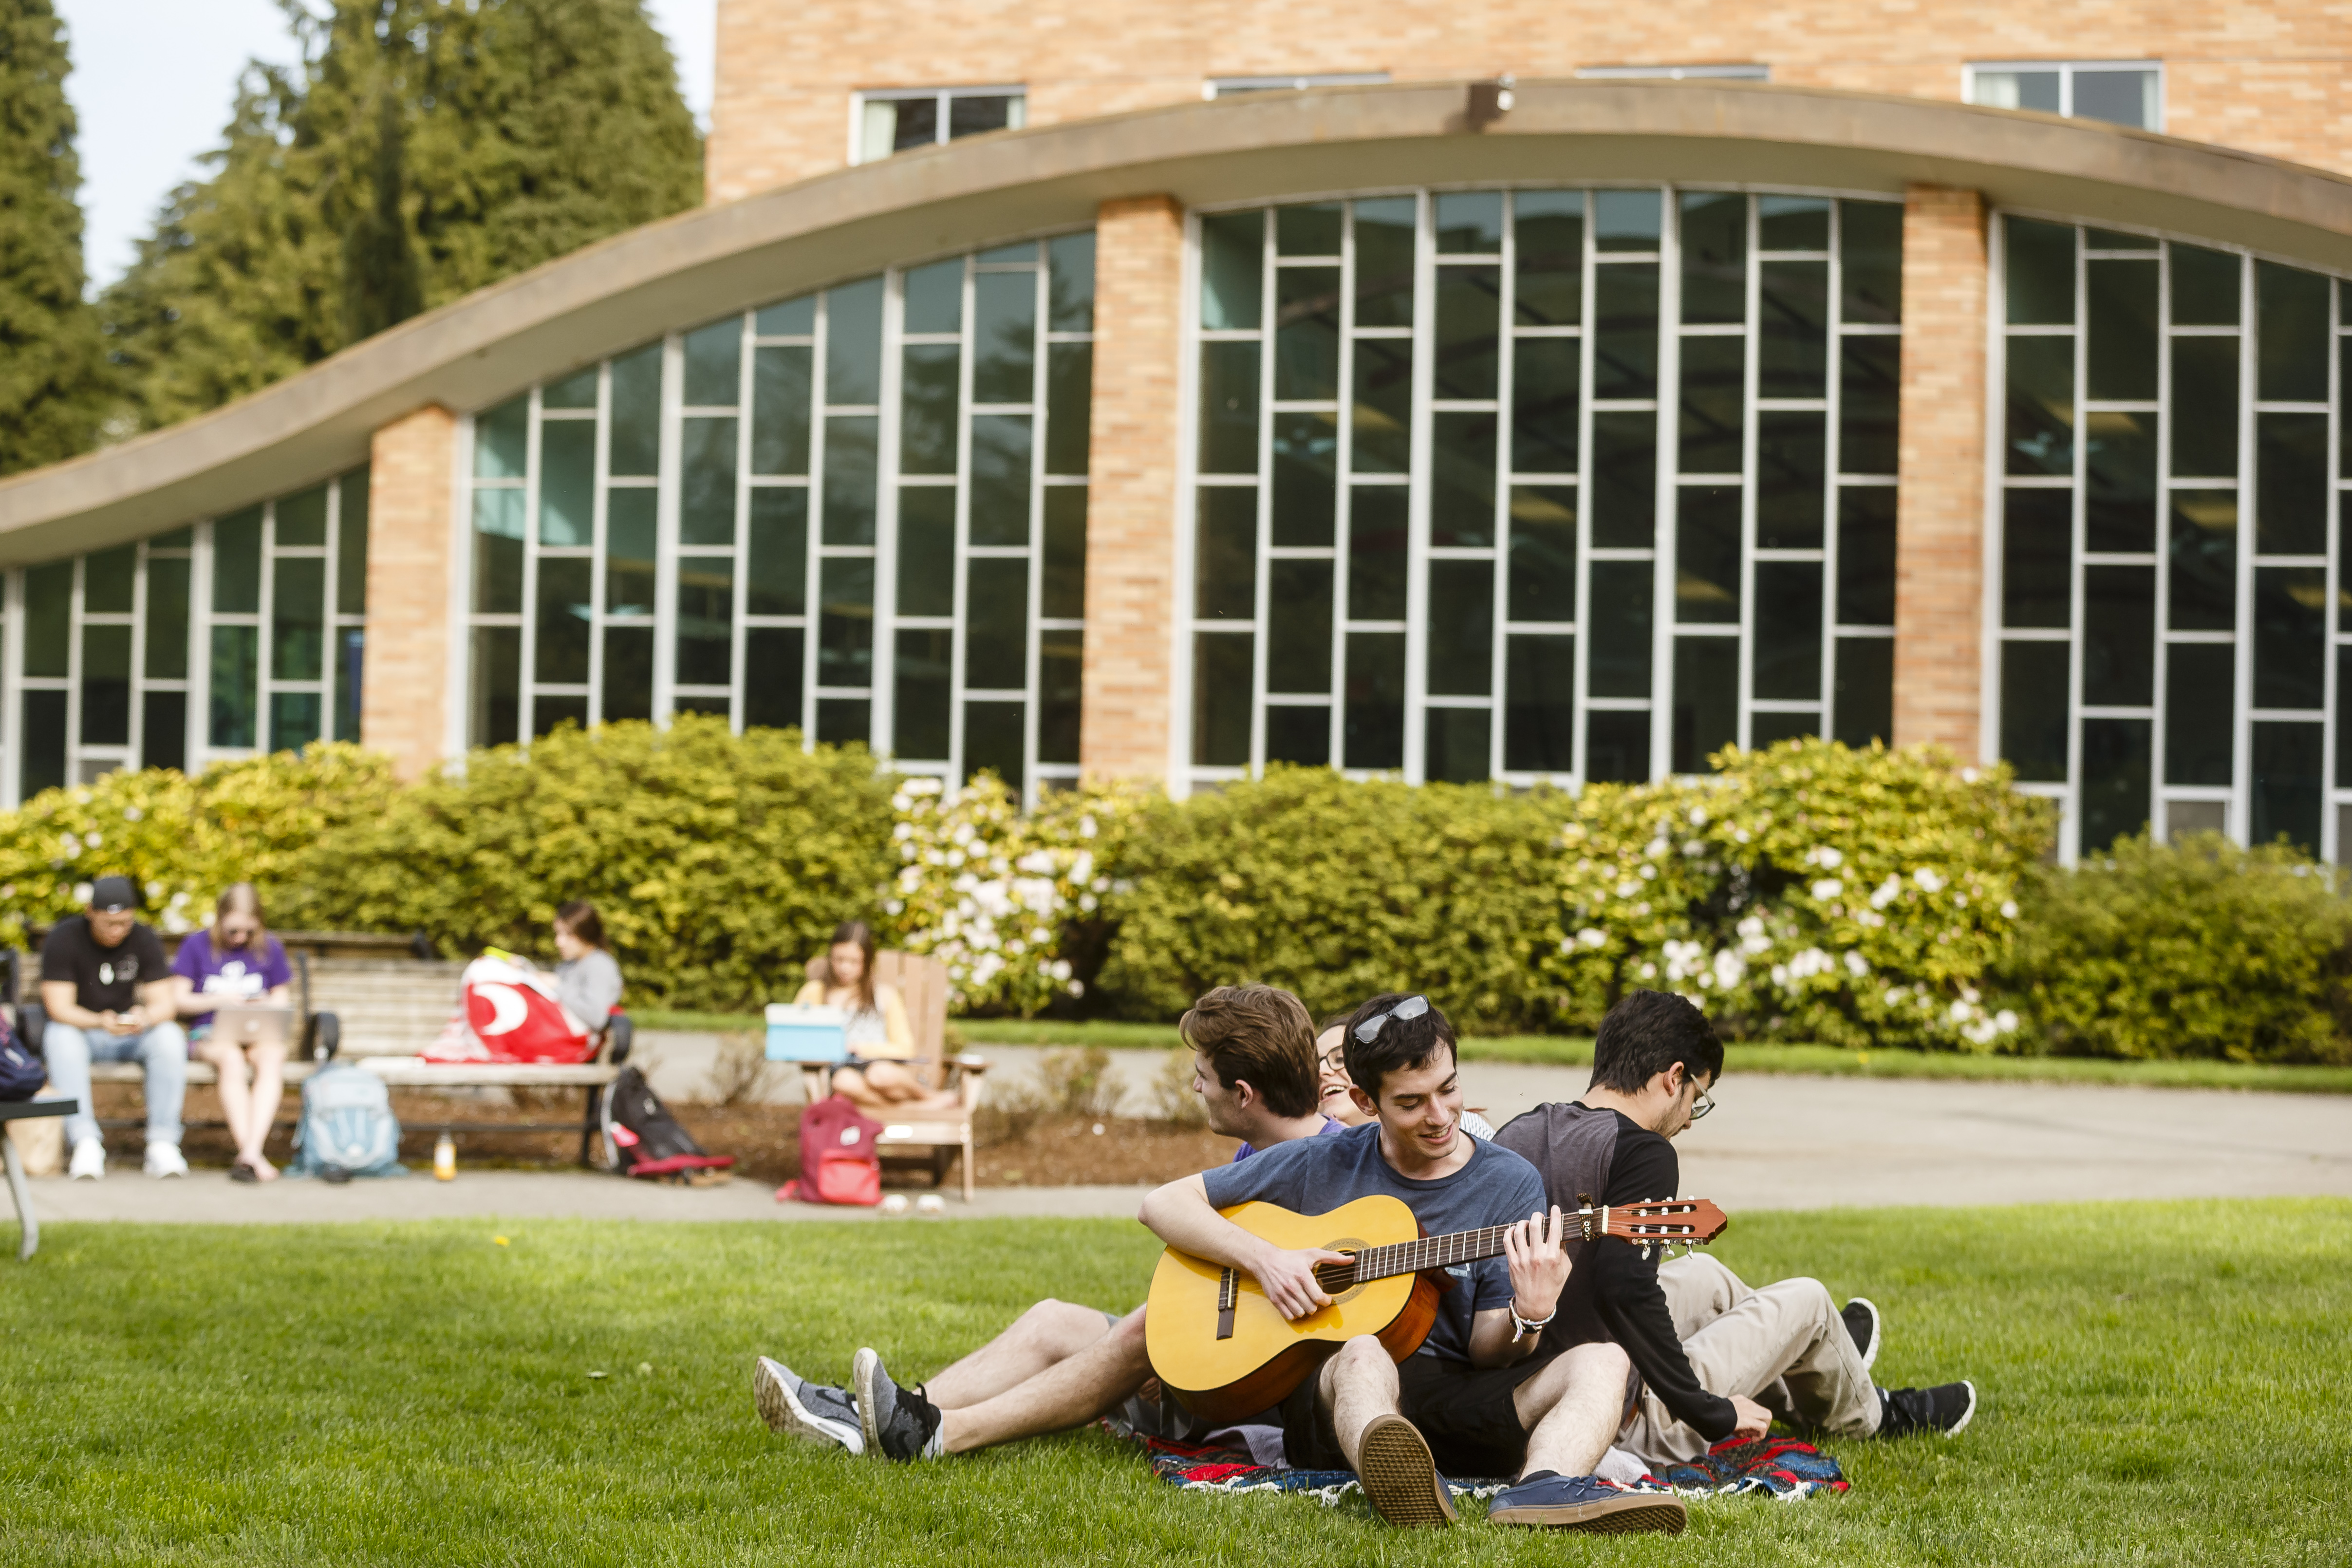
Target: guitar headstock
{"type": "Point", "coordinates": [1668, 1222]}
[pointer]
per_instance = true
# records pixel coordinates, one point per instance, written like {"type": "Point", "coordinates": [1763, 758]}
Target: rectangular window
{"type": "Point", "coordinates": [897, 119]}
{"type": "Point", "coordinates": [2121, 92]}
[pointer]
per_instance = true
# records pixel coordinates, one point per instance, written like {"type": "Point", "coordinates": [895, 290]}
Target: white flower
{"type": "Point", "coordinates": [1730, 968]}
{"type": "Point", "coordinates": [1592, 936]}
{"type": "Point", "coordinates": [1756, 943]}
{"type": "Point", "coordinates": [1649, 873]}
{"type": "Point", "coordinates": [1888, 891]}
{"type": "Point", "coordinates": [1897, 995]}
{"type": "Point", "coordinates": [1856, 964]}
{"type": "Point", "coordinates": [1827, 859]}
{"type": "Point", "coordinates": [1086, 829]}
{"type": "Point", "coordinates": [1781, 975]}
{"type": "Point", "coordinates": [1082, 870]}
{"type": "Point", "coordinates": [1971, 996]}
{"type": "Point", "coordinates": [1739, 835]}
{"type": "Point", "coordinates": [1627, 890]}
{"type": "Point", "coordinates": [2009, 910]}
{"type": "Point", "coordinates": [1753, 926]}
{"type": "Point", "coordinates": [70, 844]}
{"type": "Point", "coordinates": [1928, 881]}
{"type": "Point", "coordinates": [1649, 971]}
{"type": "Point", "coordinates": [132, 814]}
{"type": "Point", "coordinates": [81, 892]}
{"type": "Point", "coordinates": [1657, 847]}
{"type": "Point", "coordinates": [2005, 1021]}
{"type": "Point", "coordinates": [962, 835]}
{"type": "Point", "coordinates": [1698, 816]}
{"type": "Point", "coordinates": [896, 907]}
{"type": "Point", "coordinates": [1693, 849]}
{"type": "Point", "coordinates": [1828, 887]}
{"type": "Point", "coordinates": [1969, 775]}
{"type": "Point", "coordinates": [903, 832]}
{"type": "Point", "coordinates": [1037, 862]}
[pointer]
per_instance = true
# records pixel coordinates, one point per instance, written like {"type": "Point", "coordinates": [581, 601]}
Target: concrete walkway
{"type": "Point", "coordinates": [1772, 1143]}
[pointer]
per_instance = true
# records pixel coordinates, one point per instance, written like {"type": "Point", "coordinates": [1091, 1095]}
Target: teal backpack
{"type": "Point", "coordinates": [347, 1128]}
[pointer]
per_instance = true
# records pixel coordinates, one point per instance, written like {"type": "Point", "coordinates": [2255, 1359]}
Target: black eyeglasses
{"type": "Point", "coordinates": [1700, 1106]}
{"type": "Point", "coordinates": [1411, 1008]}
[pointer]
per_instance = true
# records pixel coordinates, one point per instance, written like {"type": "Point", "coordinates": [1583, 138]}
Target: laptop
{"type": "Point", "coordinates": [253, 1024]}
{"type": "Point", "coordinates": [807, 1034]}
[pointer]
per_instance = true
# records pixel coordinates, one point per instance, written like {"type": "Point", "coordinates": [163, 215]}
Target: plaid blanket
{"type": "Point", "coordinates": [1779, 1468]}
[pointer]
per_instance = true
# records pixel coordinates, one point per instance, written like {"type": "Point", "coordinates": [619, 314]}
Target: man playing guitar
{"type": "Point", "coordinates": [1486, 1393]}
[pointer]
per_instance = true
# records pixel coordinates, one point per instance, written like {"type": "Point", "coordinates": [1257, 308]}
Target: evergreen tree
{"type": "Point", "coordinates": [423, 149]}
{"type": "Point", "coordinates": [52, 372]}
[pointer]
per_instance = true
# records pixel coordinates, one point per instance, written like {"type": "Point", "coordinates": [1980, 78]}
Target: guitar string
{"type": "Point", "coordinates": [1438, 1251]}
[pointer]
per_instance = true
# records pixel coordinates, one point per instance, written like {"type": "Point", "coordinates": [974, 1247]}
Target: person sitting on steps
{"type": "Point", "coordinates": [1060, 1363]}
{"type": "Point", "coordinates": [236, 960]}
{"type": "Point", "coordinates": [109, 996]}
{"type": "Point", "coordinates": [1718, 1359]}
{"type": "Point", "coordinates": [876, 1077]}
{"type": "Point", "coordinates": [1489, 1392]}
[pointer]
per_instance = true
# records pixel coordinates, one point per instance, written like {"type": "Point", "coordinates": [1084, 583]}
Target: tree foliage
{"type": "Point", "coordinates": [52, 372]}
{"type": "Point", "coordinates": [421, 149]}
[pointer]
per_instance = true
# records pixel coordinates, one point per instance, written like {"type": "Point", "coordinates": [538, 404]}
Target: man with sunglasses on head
{"type": "Point", "coordinates": [1718, 1359]}
{"type": "Point", "coordinates": [1489, 1392]}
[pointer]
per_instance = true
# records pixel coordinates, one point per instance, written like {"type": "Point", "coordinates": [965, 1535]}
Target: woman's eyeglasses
{"type": "Point", "coordinates": [1411, 1008]}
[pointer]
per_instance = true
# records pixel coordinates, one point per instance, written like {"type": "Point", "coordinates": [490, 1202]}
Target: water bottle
{"type": "Point", "coordinates": [445, 1159]}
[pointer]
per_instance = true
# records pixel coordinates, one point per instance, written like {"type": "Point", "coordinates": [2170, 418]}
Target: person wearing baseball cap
{"type": "Point", "coordinates": [109, 995]}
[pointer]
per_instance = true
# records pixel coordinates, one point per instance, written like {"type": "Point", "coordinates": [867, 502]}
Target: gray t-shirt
{"type": "Point", "coordinates": [1314, 1176]}
{"type": "Point", "coordinates": [589, 985]}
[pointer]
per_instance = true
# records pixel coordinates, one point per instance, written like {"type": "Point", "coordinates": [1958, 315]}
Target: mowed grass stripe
{"type": "Point", "coordinates": [2161, 1383]}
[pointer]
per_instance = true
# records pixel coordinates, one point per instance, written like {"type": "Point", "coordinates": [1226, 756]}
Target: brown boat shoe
{"type": "Point", "coordinates": [1400, 1479]}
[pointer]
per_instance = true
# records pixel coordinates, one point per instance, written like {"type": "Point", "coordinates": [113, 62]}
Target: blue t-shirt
{"type": "Point", "coordinates": [233, 974]}
{"type": "Point", "coordinates": [1330, 1125]}
{"type": "Point", "coordinates": [1314, 1176]}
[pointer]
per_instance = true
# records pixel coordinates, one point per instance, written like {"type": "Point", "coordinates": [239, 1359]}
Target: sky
{"type": "Point", "coordinates": [153, 79]}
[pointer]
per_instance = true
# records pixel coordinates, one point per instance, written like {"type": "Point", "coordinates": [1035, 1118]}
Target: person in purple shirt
{"type": "Point", "coordinates": [238, 961]}
{"type": "Point", "coordinates": [1061, 1363]}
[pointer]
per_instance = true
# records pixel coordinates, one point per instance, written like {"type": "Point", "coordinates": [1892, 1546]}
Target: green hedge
{"type": "Point", "coordinates": [1339, 891]}
{"type": "Point", "coordinates": [2204, 950]}
{"type": "Point", "coordinates": [1804, 893]}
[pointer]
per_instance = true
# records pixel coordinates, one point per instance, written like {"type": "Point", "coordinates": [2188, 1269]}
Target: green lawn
{"type": "Point", "coordinates": [2162, 1384]}
{"type": "Point", "coordinates": [1565, 1050]}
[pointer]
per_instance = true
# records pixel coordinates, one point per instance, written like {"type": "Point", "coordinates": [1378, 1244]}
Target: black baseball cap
{"type": "Point", "coordinates": [111, 895]}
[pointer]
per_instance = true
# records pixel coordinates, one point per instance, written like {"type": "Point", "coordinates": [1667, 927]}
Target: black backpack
{"type": "Point", "coordinates": [22, 1073]}
{"type": "Point", "coordinates": [642, 1139]}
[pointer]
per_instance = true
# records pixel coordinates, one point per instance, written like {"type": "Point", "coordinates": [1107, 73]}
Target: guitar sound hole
{"type": "Point", "coordinates": [1339, 1279]}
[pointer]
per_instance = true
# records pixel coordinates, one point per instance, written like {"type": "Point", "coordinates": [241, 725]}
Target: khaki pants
{"type": "Point", "coordinates": [1783, 1346]}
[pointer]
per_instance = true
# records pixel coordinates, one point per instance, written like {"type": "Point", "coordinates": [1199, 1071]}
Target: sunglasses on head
{"type": "Point", "coordinates": [1411, 1008]}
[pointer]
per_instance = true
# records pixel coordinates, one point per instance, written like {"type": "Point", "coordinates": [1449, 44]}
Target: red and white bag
{"type": "Point", "coordinates": [510, 1015]}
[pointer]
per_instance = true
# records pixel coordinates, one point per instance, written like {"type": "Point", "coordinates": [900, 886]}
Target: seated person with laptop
{"type": "Point", "coordinates": [235, 987]}
{"type": "Point", "coordinates": [1061, 1363]}
{"type": "Point", "coordinates": [878, 1076]}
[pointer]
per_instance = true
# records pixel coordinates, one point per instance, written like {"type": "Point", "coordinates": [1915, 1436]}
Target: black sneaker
{"type": "Point", "coordinates": [898, 1423]}
{"type": "Point", "coordinates": [1945, 1408]}
{"type": "Point", "coordinates": [1861, 1317]}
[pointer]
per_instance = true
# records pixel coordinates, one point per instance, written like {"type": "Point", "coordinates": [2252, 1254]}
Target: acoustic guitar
{"type": "Point", "coordinates": [1219, 1346]}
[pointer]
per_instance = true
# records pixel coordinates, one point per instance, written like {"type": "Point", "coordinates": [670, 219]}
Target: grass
{"type": "Point", "coordinates": [1564, 1050]}
{"type": "Point", "coordinates": [2159, 1386]}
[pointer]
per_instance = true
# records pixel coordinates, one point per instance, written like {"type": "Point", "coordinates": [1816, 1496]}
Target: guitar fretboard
{"type": "Point", "coordinates": [1425, 1252]}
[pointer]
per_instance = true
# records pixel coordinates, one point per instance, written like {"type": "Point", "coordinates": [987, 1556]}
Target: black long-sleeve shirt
{"type": "Point", "coordinates": [1630, 1301]}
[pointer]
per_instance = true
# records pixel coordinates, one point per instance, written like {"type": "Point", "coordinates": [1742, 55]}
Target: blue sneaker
{"type": "Point", "coordinates": [1587, 1503]}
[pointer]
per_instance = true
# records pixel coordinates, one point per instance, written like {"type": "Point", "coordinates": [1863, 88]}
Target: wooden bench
{"type": "Point", "coordinates": [29, 1225]}
{"type": "Point", "coordinates": [375, 1002]}
{"type": "Point", "coordinates": [922, 984]}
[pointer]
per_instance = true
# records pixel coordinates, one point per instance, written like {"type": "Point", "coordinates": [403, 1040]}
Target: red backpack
{"type": "Point", "coordinates": [840, 1162]}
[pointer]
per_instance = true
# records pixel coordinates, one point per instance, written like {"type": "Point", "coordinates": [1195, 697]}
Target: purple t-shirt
{"type": "Point", "coordinates": [1330, 1125]}
{"type": "Point", "coordinates": [233, 974]}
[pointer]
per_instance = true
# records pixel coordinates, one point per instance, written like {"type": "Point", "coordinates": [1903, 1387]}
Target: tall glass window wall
{"type": "Point", "coordinates": [1542, 484]}
{"type": "Point", "coordinates": [218, 639]}
{"type": "Point", "coordinates": [861, 512]}
{"type": "Point", "coordinates": [2170, 456]}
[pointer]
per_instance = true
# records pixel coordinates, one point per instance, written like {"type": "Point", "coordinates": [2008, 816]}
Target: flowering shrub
{"type": "Point", "coordinates": [994, 894]}
{"type": "Point", "coordinates": [1807, 892]}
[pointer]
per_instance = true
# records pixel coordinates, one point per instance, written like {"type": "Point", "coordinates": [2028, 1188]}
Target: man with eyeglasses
{"type": "Point", "coordinates": [1718, 1358]}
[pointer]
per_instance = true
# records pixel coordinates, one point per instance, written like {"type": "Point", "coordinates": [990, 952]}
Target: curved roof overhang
{"type": "Point", "coordinates": [687, 270]}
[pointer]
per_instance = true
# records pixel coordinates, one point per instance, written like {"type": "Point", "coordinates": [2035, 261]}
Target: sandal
{"type": "Point", "coordinates": [240, 1170]}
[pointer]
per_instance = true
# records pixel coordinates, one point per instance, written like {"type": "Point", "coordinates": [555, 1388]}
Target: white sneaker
{"type": "Point", "coordinates": [88, 1161]}
{"type": "Point", "coordinates": [165, 1159]}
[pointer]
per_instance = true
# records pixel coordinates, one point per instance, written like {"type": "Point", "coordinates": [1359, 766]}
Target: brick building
{"type": "Point", "coordinates": [1494, 391]}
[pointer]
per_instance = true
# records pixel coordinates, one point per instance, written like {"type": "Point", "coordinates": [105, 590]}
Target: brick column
{"type": "Point", "coordinates": [1132, 510]}
{"type": "Point", "coordinates": [1939, 515]}
{"type": "Point", "coordinates": [411, 641]}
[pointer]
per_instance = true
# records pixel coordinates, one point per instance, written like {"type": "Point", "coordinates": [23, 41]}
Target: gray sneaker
{"type": "Point", "coordinates": [898, 1423]}
{"type": "Point", "coordinates": [795, 1407]}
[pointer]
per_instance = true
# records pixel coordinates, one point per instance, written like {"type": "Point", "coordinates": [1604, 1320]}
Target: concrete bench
{"type": "Point", "coordinates": [372, 1001]}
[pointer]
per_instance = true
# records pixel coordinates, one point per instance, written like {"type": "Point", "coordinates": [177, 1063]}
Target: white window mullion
{"type": "Point", "coordinates": [665, 525]}
{"type": "Point", "coordinates": [1667, 536]}
{"type": "Point", "coordinates": [1417, 530]}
